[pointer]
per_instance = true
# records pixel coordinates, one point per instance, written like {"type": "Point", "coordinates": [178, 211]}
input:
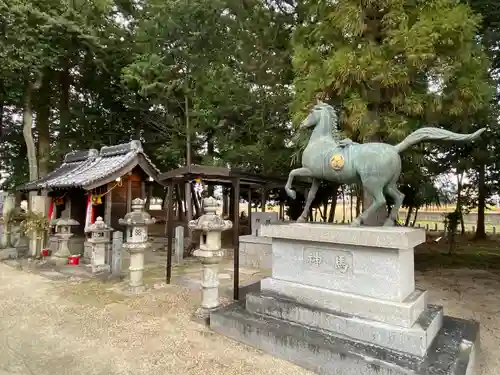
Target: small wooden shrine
{"type": "Point", "coordinates": [92, 183]}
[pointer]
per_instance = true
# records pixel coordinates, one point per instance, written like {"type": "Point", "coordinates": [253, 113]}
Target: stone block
{"type": "Point", "coordinates": [178, 255]}
{"type": "Point", "coordinates": [383, 237]}
{"type": "Point", "coordinates": [373, 262]}
{"type": "Point", "coordinates": [403, 314]}
{"type": "Point", "coordinates": [255, 252]}
{"type": "Point", "coordinates": [262, 218]}
{"type": "Point", "coordinates": [453, 352]}
{"type": "Point", "coordinates": [414, 340]}
{"type": "Point", "coordinates": [369, 271]}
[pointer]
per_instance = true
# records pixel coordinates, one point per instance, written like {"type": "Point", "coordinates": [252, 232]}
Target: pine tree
{"type": "Point", "coordinates": [391, 65]}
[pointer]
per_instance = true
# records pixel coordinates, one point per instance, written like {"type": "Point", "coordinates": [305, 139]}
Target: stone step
{"type": "Point", "coordinates": [414, 340]}
{"type": "Point", "coordinates": [453, 352]}
{"type": "Point", "coordinates": [403, 314]}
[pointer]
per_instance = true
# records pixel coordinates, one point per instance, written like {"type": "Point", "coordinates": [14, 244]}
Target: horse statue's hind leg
{"type": "Point", "coordinates": [310, 198]}
{"type": "Point", "coordinates": [392, 191]}
{"type": "Point", "coordinates": [299, 172]}
{"type": "Point", "coordinates": [375, 189]}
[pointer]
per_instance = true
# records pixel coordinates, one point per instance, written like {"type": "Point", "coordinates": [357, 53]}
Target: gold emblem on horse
{"type": "Point", "coordinates": [337, 162]}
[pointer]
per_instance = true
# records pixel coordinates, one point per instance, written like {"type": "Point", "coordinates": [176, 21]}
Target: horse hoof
{"type": "Point", "coordinates": [356, 223]}
{"type": "Point", "coordinates": [301, 219]}
{"type": "Point", "coordinates": [389, 223]}
{"type": "Point", "coordinates": [292, 194]}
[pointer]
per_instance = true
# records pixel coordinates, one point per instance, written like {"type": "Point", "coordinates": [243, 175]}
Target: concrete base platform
{"type": "Point", "coordinates": [415, 340]}
{"type": "Point", "coordinates": [453, 352]}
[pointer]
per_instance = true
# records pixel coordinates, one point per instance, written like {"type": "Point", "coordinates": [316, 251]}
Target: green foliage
{"type": "Point", "coordinates": [378, 60]}
{"type": "Point", "coordinates": [391, 67]}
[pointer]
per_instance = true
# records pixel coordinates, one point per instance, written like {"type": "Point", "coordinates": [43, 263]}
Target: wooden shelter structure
{"type": "Point", "coordinates": [226, 177]}
{"type": "Point", "coordinates": [101, 182]}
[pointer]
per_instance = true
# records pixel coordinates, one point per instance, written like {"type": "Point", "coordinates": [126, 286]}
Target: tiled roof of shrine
{"type": "Point", "coordinates": [90, 169]}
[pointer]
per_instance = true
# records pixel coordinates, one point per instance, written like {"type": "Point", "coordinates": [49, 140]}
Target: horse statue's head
{"type": "Point", "coordinates": [321, 112]}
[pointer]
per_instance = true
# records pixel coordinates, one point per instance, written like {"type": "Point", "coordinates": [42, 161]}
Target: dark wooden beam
{"type": "Point", "coordinates": [170, 230]}
{"type": "Point", "coordinates": [249, 231]}
{"type": "Point", "coordinates": [236, 238]}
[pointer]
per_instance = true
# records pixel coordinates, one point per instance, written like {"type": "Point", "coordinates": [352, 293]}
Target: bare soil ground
{"type": "Point", "coordinates": [75, 326]}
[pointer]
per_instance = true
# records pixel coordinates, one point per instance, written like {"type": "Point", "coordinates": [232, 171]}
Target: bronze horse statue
{"type": "Point", "coordinates": [376, 165]}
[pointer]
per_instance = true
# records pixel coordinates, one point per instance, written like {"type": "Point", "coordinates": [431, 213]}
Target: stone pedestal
{"type": "Point", "coordinates": [255, 252]}
{"type": "Point", "coordinates": [342, 300]}
{"type": "Point", "coordinates": [137, 223]}
{"type": "Point", "coordinates": [210, 226]}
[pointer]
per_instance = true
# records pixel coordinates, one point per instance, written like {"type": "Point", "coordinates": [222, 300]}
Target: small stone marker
{"type": "Point", "coordinates": [179, 244]}
{"type": "Point", "coordinates": [116, 258]}
{"type": "Point", "coordinates": [100, 242]}
{"type": "Point", "coordinates": [262, 218]}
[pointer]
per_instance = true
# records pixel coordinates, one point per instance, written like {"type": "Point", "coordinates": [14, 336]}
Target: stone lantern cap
{"type": "Point", "coordinates": [210, 221]}
{"type": "Point", "coordinates": [99, 226]}
{"type": "Point", "coordinates": [67, 223]}
{"type": "Point", "coordinates": [138, 217]}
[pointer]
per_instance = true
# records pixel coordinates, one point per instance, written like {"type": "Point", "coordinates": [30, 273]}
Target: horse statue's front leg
{"type": "Point", "coordinates": [310, 198]}
{"type": "Point", "coordinates": [299, 172]}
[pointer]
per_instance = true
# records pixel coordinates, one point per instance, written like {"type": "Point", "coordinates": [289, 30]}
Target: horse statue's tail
{"type": "Point", "coordinates": [435, 134]}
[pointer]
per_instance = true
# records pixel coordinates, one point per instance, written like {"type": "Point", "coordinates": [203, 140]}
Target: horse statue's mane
{"type": "Point", "coordinates": [333, 119]}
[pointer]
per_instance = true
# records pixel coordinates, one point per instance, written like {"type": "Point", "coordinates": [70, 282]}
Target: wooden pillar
{"type": "Point", "coordinates": [148, 195]}
{"type": "Point", "coordinates": [169, 230]}
{"type": "Point", "coordinates": [129, 193]}
{"type": "Point", "coordinates": [249, 231]}
{"type": "Point", "coordinates": [67, 206]}
{"type": "Point", "coordinates": [178, 198]}
{"type": "Point", "coordinates": [188, 201]}
{"type": "Point", "coordinates": [225, 205]}
{"type": "Point", "coordinates": [108, 201]}
{"type": "Point", "coordinates": [236, 238]}
{"type": "Point", "coordinates": [143, 190]}
{"type": "Point", "coordinates": [263, 199]}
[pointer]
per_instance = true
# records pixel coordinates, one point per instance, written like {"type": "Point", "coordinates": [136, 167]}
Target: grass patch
{"type": "Point", "coordinates": [483, 260]}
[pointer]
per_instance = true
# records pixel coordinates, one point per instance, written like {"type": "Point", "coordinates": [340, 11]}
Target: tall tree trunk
{"type": "Point", "coordinates": [351, 201]}
{"type": "Point", "coordinates": [27, 128]}
{"type": "Point", "coordinates": [481, 228]}
{"type": "Point", "coordinates": [359, 200]}
{"type": "Point", "coordinates": [415, 217]}
{"type": "Point", "coordinates": [408, 216]}
{"type": "Point", "coordinates": [64, 101]}
{"type": "Point", "coordinates": [343, 205]}
{"type": "Point", "coordinates": [331, 216]}
{"type": "Point", "coordinates": [42, 107]}
{"type": "Point", "coordinates": [459, 208]}
{"type": "Point", "coordinates": [2, 104]}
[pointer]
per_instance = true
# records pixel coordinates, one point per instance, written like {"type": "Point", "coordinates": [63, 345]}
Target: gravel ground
{"type": "Point", "coordinates": [64, 327]}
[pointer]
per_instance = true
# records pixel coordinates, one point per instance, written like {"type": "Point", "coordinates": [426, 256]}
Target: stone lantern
{"type": "Point", "coordinates": [210, 253]}
{"type": "Point", "coordinates": [63, 228]}
{"type": "Point", "coordinates": [99, 240]}
{"type": "Point", "coordinates": [137, 223]}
